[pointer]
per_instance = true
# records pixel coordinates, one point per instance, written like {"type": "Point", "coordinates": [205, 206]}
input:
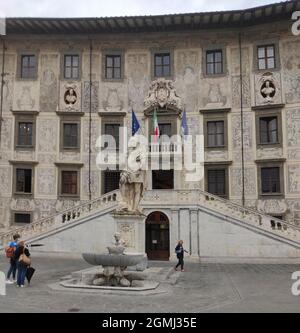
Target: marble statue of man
{"type": "Point", "coordinates": [133, 178]}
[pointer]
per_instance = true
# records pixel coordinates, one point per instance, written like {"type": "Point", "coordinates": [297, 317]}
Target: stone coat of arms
{"type": "Point", "coordinates": [162, 94]}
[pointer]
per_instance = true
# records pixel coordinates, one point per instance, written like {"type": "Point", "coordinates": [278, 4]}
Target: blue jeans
{"type": "Point", "coordinates": [12, 269]}
{"type": "Point", "coordinates": [22, 269]}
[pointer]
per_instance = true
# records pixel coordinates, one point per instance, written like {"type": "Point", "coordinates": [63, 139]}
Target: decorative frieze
{"type": "Point", "coordinates": [247, 130]}
{"type": "Point", "coordinates": [6, 134]}
{"type": "Point", "coordinates": [5, 180]}
{"type": "Point", "coordinates": [49, 82]}
{"type": "Point", "coordinates": [46, 181]}
{"type": "Point", "coordinates": [95, 176]}
{"type": "Point", "coordinates": [47, 135]}
{"type": "Point", "coordinates": [269, 153]}
{"type": "Point", "coordinates": [26, 96]}
{"type": "Point", "coordinates": [215, 93]}
{"type": "Point", "coordinates": [87, 97]}
{"type": "Point", "coordinates": [272, 207]}
{"type": "Point", "coordinates": [294, 179]}
{"type": "Point", "coordinates": [236, 92]}
{"type": "Point", "coordinates": [237, 182]}
{"type": "Point", "coordinates": [138, 79]}
{"type": "Point", "coordinates": [291, 70]}
{"type": "Point", "coordinates": [293, 127]}
{"type": "Point", "coordinates": [113, 98]}
{"type": "Point", "coordinates": [22, 205]}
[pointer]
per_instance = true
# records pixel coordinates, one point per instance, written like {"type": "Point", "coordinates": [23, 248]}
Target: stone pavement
{"type": "Point", "coordinates": [202, 288]}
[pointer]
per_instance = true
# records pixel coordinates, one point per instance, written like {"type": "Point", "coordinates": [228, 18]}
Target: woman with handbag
{"type": "Point", "coordinates": [22, 258]}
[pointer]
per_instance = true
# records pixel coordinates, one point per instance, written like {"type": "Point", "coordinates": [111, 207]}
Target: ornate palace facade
{"type": "Point", "coordinates": [67, 81]}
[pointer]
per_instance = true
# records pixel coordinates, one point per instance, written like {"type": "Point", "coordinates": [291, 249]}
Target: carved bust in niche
{"type": "Point", "coordinates": [70, 96]}
{"type": "Point", "coordinates": [268, 90]}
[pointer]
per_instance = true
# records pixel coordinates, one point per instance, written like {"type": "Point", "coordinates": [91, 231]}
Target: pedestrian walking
{"type": "Point", "coordinates": [23, 262]}
{"type": "Point", "coordinates": [10, 253]}
{"type": "Point", "coordinates": [180, 255]}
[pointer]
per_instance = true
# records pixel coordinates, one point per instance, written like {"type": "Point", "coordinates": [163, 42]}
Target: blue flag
{"type": "Point", "coordinates": [135, 124]}
{"type": "Point", "coordinates": [184, 125]}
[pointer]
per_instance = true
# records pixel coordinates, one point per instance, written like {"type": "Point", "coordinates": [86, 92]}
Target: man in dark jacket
{"type": "Point", "coordinates": [22, 267]}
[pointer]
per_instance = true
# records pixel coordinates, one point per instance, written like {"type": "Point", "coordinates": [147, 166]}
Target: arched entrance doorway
{"type": "Point", "coordinates": [158, 236]}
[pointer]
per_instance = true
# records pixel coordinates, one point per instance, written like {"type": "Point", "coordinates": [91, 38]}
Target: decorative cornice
{"type": "Point", "coordinates": [69, 164]}
{"type": "Point", "coordinates": [70, 113]}
{"type": "Point", "coordinates": [22, 112]}
{"type": "Point", "coordinates": [268, 106]}
{"type": "Point", "coordinates": [270, 160]}
{"type": "Point", "coordinates": [14, 162]}
{"type": "Point", "coordinates": [215, 110]}
{"type": "Point", "coordinates": [218, 163]}
{"type": "Point", "coordinates": [112, 114]}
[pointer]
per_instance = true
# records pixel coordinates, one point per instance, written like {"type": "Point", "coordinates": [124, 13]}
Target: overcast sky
{"type": "Point", "coordinates": [99, 8]}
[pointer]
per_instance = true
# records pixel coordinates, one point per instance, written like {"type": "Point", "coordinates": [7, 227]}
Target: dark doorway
{"type": "Point", "coordinates": [158, 237]}
{"type": "Point", "coordinates": [163, 180]}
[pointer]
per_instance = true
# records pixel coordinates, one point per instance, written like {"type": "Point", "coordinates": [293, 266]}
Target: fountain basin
{"type": "Point", "coordinates": [108, 260]}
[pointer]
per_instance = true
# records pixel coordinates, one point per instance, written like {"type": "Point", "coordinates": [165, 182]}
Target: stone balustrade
{"type": "Point", "coordinates": [186, 198]}
{"type": "Point", "coordinates": [61, 219]}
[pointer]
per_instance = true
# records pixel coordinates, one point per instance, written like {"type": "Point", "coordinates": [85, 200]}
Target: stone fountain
{"type": "Point", "coordinates": [114, 265]}
{"type": "Point", "coordinates": [112, 271]}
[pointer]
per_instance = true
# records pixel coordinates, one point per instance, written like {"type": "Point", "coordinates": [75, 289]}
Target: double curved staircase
{"type": "Point", "coordinates": [187, 199]}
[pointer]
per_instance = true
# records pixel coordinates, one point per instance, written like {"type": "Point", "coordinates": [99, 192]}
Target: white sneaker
{"type": "Point", "coordinates": [22, 286]}
{"type": "Point", "coordinates": [9, 282]}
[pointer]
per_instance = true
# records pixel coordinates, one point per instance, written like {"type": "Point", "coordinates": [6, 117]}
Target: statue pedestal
{"type": "Point", "coordinates": [133, 232]}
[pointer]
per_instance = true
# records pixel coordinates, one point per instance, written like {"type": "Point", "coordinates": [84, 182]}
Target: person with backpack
{"type": "Point", "coordinates": [10, 253]}
{"type": "Point", "coordinates": [179, 250]}
{"type": "Point", "coordinates": [23, 262]}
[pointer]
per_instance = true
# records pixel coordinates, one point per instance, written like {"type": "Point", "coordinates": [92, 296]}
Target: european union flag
{"type": "Point", "coordinates": [135, 124]}
{"type": "Point", "coordinates": [184, 125]}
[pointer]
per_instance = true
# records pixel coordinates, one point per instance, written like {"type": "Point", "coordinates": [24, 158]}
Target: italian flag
{"type": "Point", "coordinates": [156, 127]}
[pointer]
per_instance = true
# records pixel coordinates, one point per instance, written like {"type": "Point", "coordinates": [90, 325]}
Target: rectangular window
{"type": "Point", "coordinates": [216, 180]}
{"type": "Point", "coordinates": [69, 182]}
{"type": "Point", "coordinates": [25, 134]}
{"type": "Point", "coordinates": [162, 65]}
{"type": "Point", "coordinates": [111, 181]}
{"type": "Point", "coordinates": [71, 67]}
{"type": "Point", "coordinates": [268, 127]}
{"type": "Point", "coordinates": [214, 62]}
{"type": "Point", "coordinates": [114, 131]}
{"type": "Point", "coordinates": [215, 134]}
{"type": "Point", "coordinates": [163, 180]}
{"type": "Point", "coordinates": [266, 57]}
{"type": "Point", "coordinates": [22, 218]}
{"type": "Point", "coordinates": [270, 180]}
{"type": "Point", "coordinates": [28, 66]}
{"type": "Point", "coordinates": [24, 181]}
{"type": "Point", "coordinates": [70, 136]}
{"type": "Point", "coordinates": [113, 67]}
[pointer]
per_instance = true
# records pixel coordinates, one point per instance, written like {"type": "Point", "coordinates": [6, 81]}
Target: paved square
{"type": "Point", "coordinates": [202, 288]}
